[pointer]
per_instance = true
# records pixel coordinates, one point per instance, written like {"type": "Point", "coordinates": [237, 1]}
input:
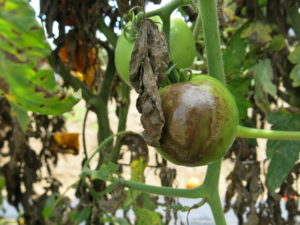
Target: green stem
{"type": "Point", "coordinates": [108, 32]}
{"type": "Point", "coordinates": [100, 104]}
{"type": "Point", "coordinates": [102, 145]}
{"type": "Point", "coordinates": [217, 209]}
{"type": "Point", "coordinates": [208, 11]}
{"type": "Point", "coordinates": [197, 28]}
{"type": "Point", "coordinates": [211, 183]}
{"type": "Point", "coordinates": [122, 114]}
{"type": "Point", "coordinates": [198, 192]}
{"type": "Point", "coordinates": [167, 9]}
{"type": "Point", "coordinates": [246, 132]}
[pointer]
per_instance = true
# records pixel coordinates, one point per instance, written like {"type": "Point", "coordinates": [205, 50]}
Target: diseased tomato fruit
{"type": "Point", "coordinates": [201, 120]}
{"type": "Point", "coordinates": [181, 46]}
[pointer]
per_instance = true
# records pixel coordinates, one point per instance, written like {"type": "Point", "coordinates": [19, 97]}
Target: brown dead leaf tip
{"type": "Point", "coordinates": [136, 143]}
{"type": "Point", "coordinates": [149, 60]}
{"type": "Point", "coordinates": [64, 142]}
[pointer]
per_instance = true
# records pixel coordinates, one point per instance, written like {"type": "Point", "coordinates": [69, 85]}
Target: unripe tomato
{"type": "Point", "coordinates": [181, 46]}
{"type": "Point", "coordinates": [201, 120]}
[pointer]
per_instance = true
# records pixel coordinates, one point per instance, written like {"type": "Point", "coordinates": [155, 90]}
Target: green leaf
{"type": "Point", "coordinates": [263, 75]}
{"type": "Point", "coordinates": [48, 210]}
{"type": "Point", "coordinates": [235, 53]}
{"type": "Point", "coordinates": [147, 202]}
{"type": "Point", "coordinates": [137, 169]}
{"type": "Point", "coordinates": [26, 79]}
{"type": "Point", "coordinates": [146, 216]}
{"type": "Point", "coordinates": [105, 171]}
{"type": "Point", "coordinates": [293, 19]}
{"type": "Point", "coordinates": [2, 182]}
{"type": "Point", "coordinates": [258, 32]}
{"type": "Point", "coordinates": [277, 43]}
{"type": "Point", "coordinates": [22, 117]}
{"type": "Point", "coordinates": [282, 154]}
{"type": "Point", "coordinates": [79, 216]}
{"type": "Point", "coordinates": [239, 87]}
{"type": "Point", "coordinates": [295, 75]}
{"type": "Point", "coordinates": [121, 221]}
{"type": "Point", "coordinates": [294, 56]}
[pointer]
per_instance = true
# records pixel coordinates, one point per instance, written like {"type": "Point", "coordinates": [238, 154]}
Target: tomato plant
{"type": "Point", "coordinates": [193, 121]}
{"type": "Point", "coordinates": [181, 47]}
{"type": "Point", "coordinates": [201, 120]}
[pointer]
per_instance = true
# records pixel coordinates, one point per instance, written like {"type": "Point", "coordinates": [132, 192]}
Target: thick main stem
{"type": "Point", "coordinates": [211, 184]}
{"type": "Point", "coordinates": [208, 11]}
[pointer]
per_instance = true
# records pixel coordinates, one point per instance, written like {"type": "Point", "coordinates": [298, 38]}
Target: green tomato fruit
{"type": "Point", "coordinates": [201, 120]}
{"type": "Point", "coordinates": [181, 46]}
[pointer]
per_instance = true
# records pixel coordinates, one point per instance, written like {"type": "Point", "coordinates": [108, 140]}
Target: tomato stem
{"type": "Point", "coordinates": [198, 192]}
{"type": "Point", "coordinates": [167, 9]}
{"type": "Point", "coordinates": [247, 132]}
{"type": "Point", "coordinates": [208, 12]}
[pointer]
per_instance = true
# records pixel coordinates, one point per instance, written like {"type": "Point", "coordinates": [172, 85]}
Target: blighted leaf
{"type": "Point", "coordinates": [26, 79]}
{"type": "Point", "coordinates": [283, 153]}
{"type": "Point", "coordinates": [123, 6]}
{"type": "Point", "coordinates": [139, 155]}
{"type": "Point", "coordinates": [294, 56]}
{"type": "Point", "coordinates": [149, 60]}
{"type": "Point", "coordinates": [146, 216]}
{"type": "Point", "coordinates": [138, 167]}
{"type": "Point", "coordinates": [258, 32]}
{"type": "Point", "coordinates": [295, 75]}
{"type": "Point", "coordinates": [263, 75]}
{"type": "Point", "coordinates": [235, 53]}
{"type": "Point", "coordinates": [64, 142]}
{"type": "Point", "coordinates": [80, 58]}
{"type": "Point", "coordinates": [277, 43]}
{"type": "Point", "coordinates": [105, 171]}
{"type": "Point", "coordinates": [136, 145]}
{"type": "Point", "coordinates": [116, 198]}
{"type": "Point", "coordinates": [293, 19]}
{"type": "Point", "coordinates": [239, 87]}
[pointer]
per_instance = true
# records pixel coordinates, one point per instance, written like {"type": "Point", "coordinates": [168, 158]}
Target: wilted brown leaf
{"type": "Point", "coordinates": [123, 6]}
{"type": "Point", "coordinates": [64, 142]}
{"type": "Point", "coordinates": [137, 145]}
{"type": "Point", "coordinates": [112, 204]}
{"type": "Point", "coordinates": [149, 60]}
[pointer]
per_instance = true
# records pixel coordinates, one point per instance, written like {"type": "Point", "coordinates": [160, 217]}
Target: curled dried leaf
{"type": "Point", "coordinates": [113, 203]}
{"type": "Point", "coordinates": [137, 145]}
{"type": "Point", "coordinates": [64, 142]}
{"type": "Point", "coordinates": [149, 60]}
{"type": "Point", "coordinates": [123, 6]}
